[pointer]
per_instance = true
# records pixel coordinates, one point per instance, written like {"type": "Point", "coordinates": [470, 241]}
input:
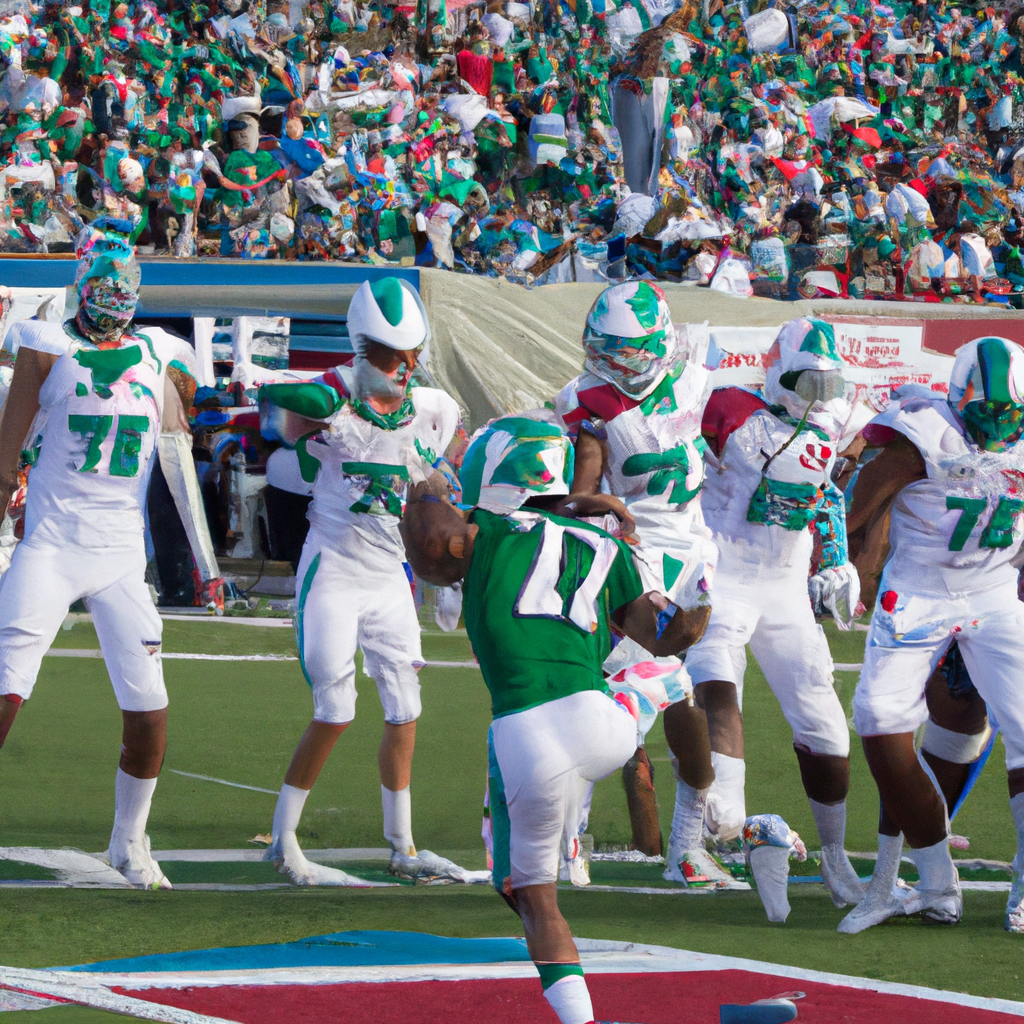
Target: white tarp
{"type": "Point", "coordinates": [500, 348]}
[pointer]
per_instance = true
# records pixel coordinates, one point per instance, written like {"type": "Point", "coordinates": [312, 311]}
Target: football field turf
{"type": "Point", "coordinates": [239, 722]}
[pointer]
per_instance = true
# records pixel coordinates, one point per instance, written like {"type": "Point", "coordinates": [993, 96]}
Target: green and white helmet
{"type": "Point", "coordinates": [389, 311]}
{"type": "Point", "coordinates": [629, 340]}
{"type": "Point", "coordinates": [515, 459]}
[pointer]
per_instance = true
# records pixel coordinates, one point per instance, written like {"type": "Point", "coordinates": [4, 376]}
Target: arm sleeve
{"type": "Point", "coordinates": [623, 583]}
{"type": "Point", "coordinates": [179, 471]}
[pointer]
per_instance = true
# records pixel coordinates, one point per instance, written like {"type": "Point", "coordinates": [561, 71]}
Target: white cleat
{"type": "Point", "coordinates": [839, 877]}
{"type": "Point", "coordinates": [946, 907]}
{"type": "Point", "coordinates": [427, 866]}
{"type": "Point", "coordinates": [576, 871]}
{"type": "Point", "coordinates": [1014, 909]}
{"type": "Point", "coordinates": [901, 900]}
{"type": "Point", "coordinates": [698, 869]}
{"type": "Point", "coordinates": [132, 859]}
{"type": "Point", "coordinates": [286, 854]}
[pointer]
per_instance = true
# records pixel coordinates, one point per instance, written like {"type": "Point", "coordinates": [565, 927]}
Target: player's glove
{"type": "Point", "coordinates": [836, 592]}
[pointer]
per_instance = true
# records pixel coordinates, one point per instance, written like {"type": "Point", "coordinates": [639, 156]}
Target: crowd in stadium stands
{"type": "Point", "coordinates": [813, 149]}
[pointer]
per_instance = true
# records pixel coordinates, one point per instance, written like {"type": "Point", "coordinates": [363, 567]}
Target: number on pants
{"type": "Point", "coordinates": [999, 531]}
{"type": "Point", "coordinates": [124, 456]}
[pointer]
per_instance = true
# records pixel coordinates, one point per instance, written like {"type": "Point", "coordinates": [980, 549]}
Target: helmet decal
{"type": "Point", "coordinates": [514, 459]}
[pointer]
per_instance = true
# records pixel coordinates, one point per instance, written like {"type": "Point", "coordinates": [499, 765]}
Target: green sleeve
{"type": "Point", "coordinates": [313, 400]}
{"type": "Point", "coordinates": [623, 583]}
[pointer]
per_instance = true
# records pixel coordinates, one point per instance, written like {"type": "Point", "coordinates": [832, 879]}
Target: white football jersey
{"type": "Point", "coordinates": [959, 530]}
{"type": "Point", "coordinates": [762, 492]}
{"type": "Point", "coordinates": [655, 450]}
{"type": "Point", "coordinates": [363, 471]}
{"type": "Point", "coordinates": [95, 435]}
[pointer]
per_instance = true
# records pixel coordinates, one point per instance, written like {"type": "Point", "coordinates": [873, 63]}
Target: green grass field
{"type": "Point", "coordinates": [240, 722]}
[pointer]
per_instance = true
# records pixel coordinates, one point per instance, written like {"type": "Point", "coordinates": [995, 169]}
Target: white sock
{"type": "Point", "coordinates": [132, 798]}
{"type": "Point", "coordinates": [288, 811]}
{"type": "Point", "coordinates": [726, 808]}
{"type": "Point", "coordinates": [831, 822]}
{"type": "Point", "coordinates": [770, 865]}
{"type": "Point", "coordinates": [887, 867]}
{"type": "Point", "coordinates": [397, 806]}
{"type": "Point", "coordinates": [935, 866]}
{"type": "Point", "coordinates": [570, 999]}
{"type": "Point", "coordinates": [1017, 809]}
{"type": "Point", "coordinates": [687, 818]}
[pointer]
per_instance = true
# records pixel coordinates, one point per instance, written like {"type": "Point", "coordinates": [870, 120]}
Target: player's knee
{"type": "Point", "coordinates": [717, 697]}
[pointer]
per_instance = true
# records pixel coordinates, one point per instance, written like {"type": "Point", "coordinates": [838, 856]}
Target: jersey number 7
{"type": "Point", "coordinates": [124, 455]}
{"type": "Point", "coordinates": [999, 531]}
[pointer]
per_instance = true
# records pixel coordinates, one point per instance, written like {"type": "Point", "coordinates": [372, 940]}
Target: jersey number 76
{"type": "Point", "coordinates": [124, 455]}
{"type": "Point", "coordinates": [999, 531]}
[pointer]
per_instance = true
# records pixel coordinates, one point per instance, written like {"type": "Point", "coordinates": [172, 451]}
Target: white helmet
{"type": "Point", "coordinates": [986, 390]}
{"type": "Point", "coordinates": [389, 311]}
{"type": "Point", "coordinates": [629, 339]}
{"type": "Point", "coordinates": [804, 366]}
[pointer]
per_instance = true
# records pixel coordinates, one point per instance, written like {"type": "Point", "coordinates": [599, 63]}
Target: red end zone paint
{"type": "Point", "coordinates": [656, 998]}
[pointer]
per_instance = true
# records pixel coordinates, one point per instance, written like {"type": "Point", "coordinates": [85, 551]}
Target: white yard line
{"type": "Point", "coordinates": [330, 854]}
{"type": "Point", "coordinates": [841, 666]}
{"type": "Point", "coordinates": [224, 782]}
{"type": "Point", "coordinates": [84, 652]}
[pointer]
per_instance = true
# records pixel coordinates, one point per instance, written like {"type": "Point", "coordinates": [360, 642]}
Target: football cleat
{"type": "Point", "coordinates": [878, 906]}
{"type": "Point", "coordinates": [1014, 910]}
{"type": "Point", "coordinates": [945, 907]}
{"type": "Point", "coordinates": [286, 854]}
{"type": "Point", "coordinates": [132, 859]}
{"type": "Point", "coordinates": [427, 866]}
{"type": "Point", "coordinates": [839, 877]}
{"type": "Point", "coordinates": [698, 869]}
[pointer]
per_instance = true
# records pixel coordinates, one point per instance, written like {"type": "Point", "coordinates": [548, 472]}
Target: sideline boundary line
{"type": "Point", "coordinates": [598, 957]}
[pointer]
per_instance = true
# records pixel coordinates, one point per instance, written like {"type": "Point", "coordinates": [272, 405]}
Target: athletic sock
{"type": "Point", "coordinates": [132, 799]}
{"type": "Point", "coordinates": [566, 992]}
{"type": "Point", "coordinates": [830, 820]}
{"type": "Point", "coordinates": [687, 818]}
{"type": "Point", "coordinates": [397, 806]}
{"type": "Point", "coordinates": [887, 866]}
{"type": "Point", "coordinates": [726, 804]}
{"type": "Point", "coordinates": [288, 811]}
{"type": "Point", "coordinates": [840, 879]}
{"type": "Point", "coordinates": [1017, 809]}
{"type": "Point", "coordinates": [935, 867]}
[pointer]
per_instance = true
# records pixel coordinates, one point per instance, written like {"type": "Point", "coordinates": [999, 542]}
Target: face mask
{"type": "Point", "coordinates": [371, 382]}
{"type": "Point", "coordinates": [993, 426]}
{"type": "Point", "coordinates": [633, 365]}
{"type": "Point", "coordinates": [105, 309]}
{"type": "Point", "coordinates": [819, 385]}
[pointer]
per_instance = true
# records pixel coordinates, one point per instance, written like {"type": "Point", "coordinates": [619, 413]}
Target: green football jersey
{"type": "Point", "coordinates": [536, 601]}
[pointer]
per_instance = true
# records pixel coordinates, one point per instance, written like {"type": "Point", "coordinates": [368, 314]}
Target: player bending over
{"type": "Point", "coordinates": [950, 479]}
{"type": "Point", "coordinates": [370, 431]}
{"type": "Point", "coordinates": [94, 413]}
{"type": "Point", "coordinates": [540, 591]}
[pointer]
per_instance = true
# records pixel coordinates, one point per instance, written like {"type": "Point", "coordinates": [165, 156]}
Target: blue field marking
{"type": "Point", "coordinates": [341, 949]}
{"type": "Point", "coordinates": [207, 273]}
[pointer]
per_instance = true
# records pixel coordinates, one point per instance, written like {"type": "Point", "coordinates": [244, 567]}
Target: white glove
{"type": "Point", "coordinates": [837, 592]}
